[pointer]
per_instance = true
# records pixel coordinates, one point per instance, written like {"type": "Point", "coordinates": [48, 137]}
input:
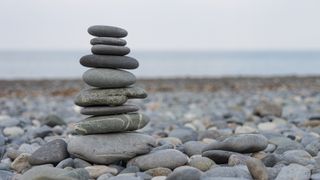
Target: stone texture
{"type": "Point", "coordinates": [294, 171]}
{"type": "Point", "coordinates": [108, 110]}
{"type": "Point", "coordinates": [109, 61]}
{"type": "Point", "coordinates": [108, 78]}
{"type": "Point", "coordinates": [112, 123]}
{"type": "Point", "coordinates": [65, 163]}
{"type": "Point", "coordinates": [98, 170]}
{"type": "Point", "coordinates": [297, 156]}
{"type": "Point", "coordinates": [218, 156]}
{"type": "Point", "coordinates": [159, 171]}
{"type": "Point", "coordinates": [100, 49]}
{"type": "Point", "coordinates": [193, 147]}
{"type": "Point", "coordinates": [108, 41]}
{"type": "Point", "coordinates": [107, 31]}
{"type": "Point", "coordinates": [242, 143]}
{"type": "Point", "coordinates": [168, 158]}
{"type": "Point", "coordinates": [6, 175]}
{"type": "Point", "coordinates": [21, 162]}
{"type": "Point", "coordinates": [53, 120]}
{"type": "Point", "coordinates": [201, 163]}
{"type": "Point", "coordinates": [257, 169]}
{"type": "Point", "coordinates": [50, 173]}
{"type": "Point", "coordinates": [265, 108]}
{"type": "Point", "coordinates": [231, 172]}
{"type": "Point", "coordinates": [184, 134]}
{"type": "Point", "coordinates": [52, 152]}
{"type": "Point", "coordinates": [185, 173]}
{"type": "Point", "coordinates": [109, 148]}
{"type": "Point", "coordinates": [111, 97]}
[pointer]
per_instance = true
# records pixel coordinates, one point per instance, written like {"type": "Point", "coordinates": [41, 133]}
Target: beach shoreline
{"type": "Point", "coordinates": [69, 87]}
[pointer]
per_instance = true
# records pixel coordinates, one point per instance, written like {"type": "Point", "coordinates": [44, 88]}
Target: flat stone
{"type": "Point", "coordinates": [52, 152]}
{"type": "Point", "coordinates": [109, 148]}
{"type": "Point", "coordinates": [108, 61]}
{"type": "Point", "coordinates": [112, 123]}
{"type": "Point", "coordinates": [107, 31]}
{"type": "Point", "coordinates": [168, 158]}
{"type": "Point", "coordinates": [257, 169]}
{"type": "Point", "coordinates": [231, 172]}
{"type": "Point", "coordinates": [108, 110]}
{"type": "Point", "coordinates": [108, 97]}
{"type": "Point", "coordinates": [108, 78]}
{"type": "Point", "coordinates": [294, 171]}
{"type": "Point", "coordinates": [218, 156]}
{"type": "Point", "coordinates": [100, 49]}
{"type": "Point", "coordinates": [47, 172]}
{"type": "Point", "coordinates": [242, 143]}
{"type": "Point", "coordinates": [185, 173]}
{"type": "Point", "coordinates": [108, 41]}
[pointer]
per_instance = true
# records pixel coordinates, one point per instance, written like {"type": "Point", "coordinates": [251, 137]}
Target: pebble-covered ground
{"type": "Point", "coordinates": [227, 128]}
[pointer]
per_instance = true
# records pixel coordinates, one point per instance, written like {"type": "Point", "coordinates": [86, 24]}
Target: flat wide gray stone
{"type": "Point", "coordinates": [108, 110]}
{"type": "Point", "coordinates": [242, 143]}
{"type": "Point", "coordinates": [107, 31]}
{"type": "Point", "coordinates": [109, 148]}
{"type": "Point", "coordinates": [108, 97]}
{"type": "Point", "coordinates": [168, 158]}
{"type": "Point", "coordinates": [112, 123]}
{"type": "Point", "coordinates": [108, 41]}
{"type": "Point", "coordinates": [108, 78]}
{"type": "Point", "coordinates": [108, 61]}
{"type": "Point", "coordinates": [110, 50]}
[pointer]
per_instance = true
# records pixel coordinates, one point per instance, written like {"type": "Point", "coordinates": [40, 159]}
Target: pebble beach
{"type": "Point", "coordinates": [206, 128]}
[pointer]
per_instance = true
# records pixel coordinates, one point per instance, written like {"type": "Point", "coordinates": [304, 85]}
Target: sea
{"type": "Point", "coordinates": [166, 64]}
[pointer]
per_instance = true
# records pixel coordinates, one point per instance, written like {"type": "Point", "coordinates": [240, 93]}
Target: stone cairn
{"type": "Point", "coordinates": [106, 135]}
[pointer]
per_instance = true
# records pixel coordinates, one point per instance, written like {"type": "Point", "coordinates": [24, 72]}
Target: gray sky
{"type": "Point", "coordinates": [163, 24]}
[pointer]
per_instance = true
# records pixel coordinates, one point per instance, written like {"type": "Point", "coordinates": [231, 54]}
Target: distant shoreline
{"type": "Point", "coordinates": [69, 87]}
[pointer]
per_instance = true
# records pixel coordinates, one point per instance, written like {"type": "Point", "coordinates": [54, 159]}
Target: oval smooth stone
{"type": "Point", "coordinates": [110, 50]}
{"type": "Point", "coordinates": [108, 110]}
{"type": "Point", "coordinates": [108, 78]}
{"type": "Point", "coordinates": [108, 41]}
{"type": "Point", "coordinates": [108, 97]}
{"type": "Point", "coordinates": [107, 31]}
{"type": "Point", "coordinates": [108, 61]}
{"type": "Point", "coordinates": [112, 123]}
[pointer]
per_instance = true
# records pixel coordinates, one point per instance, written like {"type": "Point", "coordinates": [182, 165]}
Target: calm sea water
{"type": "Point", "coordinates": [39, 65]}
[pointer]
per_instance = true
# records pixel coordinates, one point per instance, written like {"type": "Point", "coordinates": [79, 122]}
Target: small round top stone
{"type": "Point", "coordinates": [107, 31]}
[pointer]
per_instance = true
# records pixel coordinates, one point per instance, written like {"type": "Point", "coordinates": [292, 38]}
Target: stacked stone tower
{"type": "Point", "coordinates": [106, 132]}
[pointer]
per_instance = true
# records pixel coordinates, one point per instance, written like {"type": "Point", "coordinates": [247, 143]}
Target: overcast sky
{"type": "Point", "coordinates": [163, 24]}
